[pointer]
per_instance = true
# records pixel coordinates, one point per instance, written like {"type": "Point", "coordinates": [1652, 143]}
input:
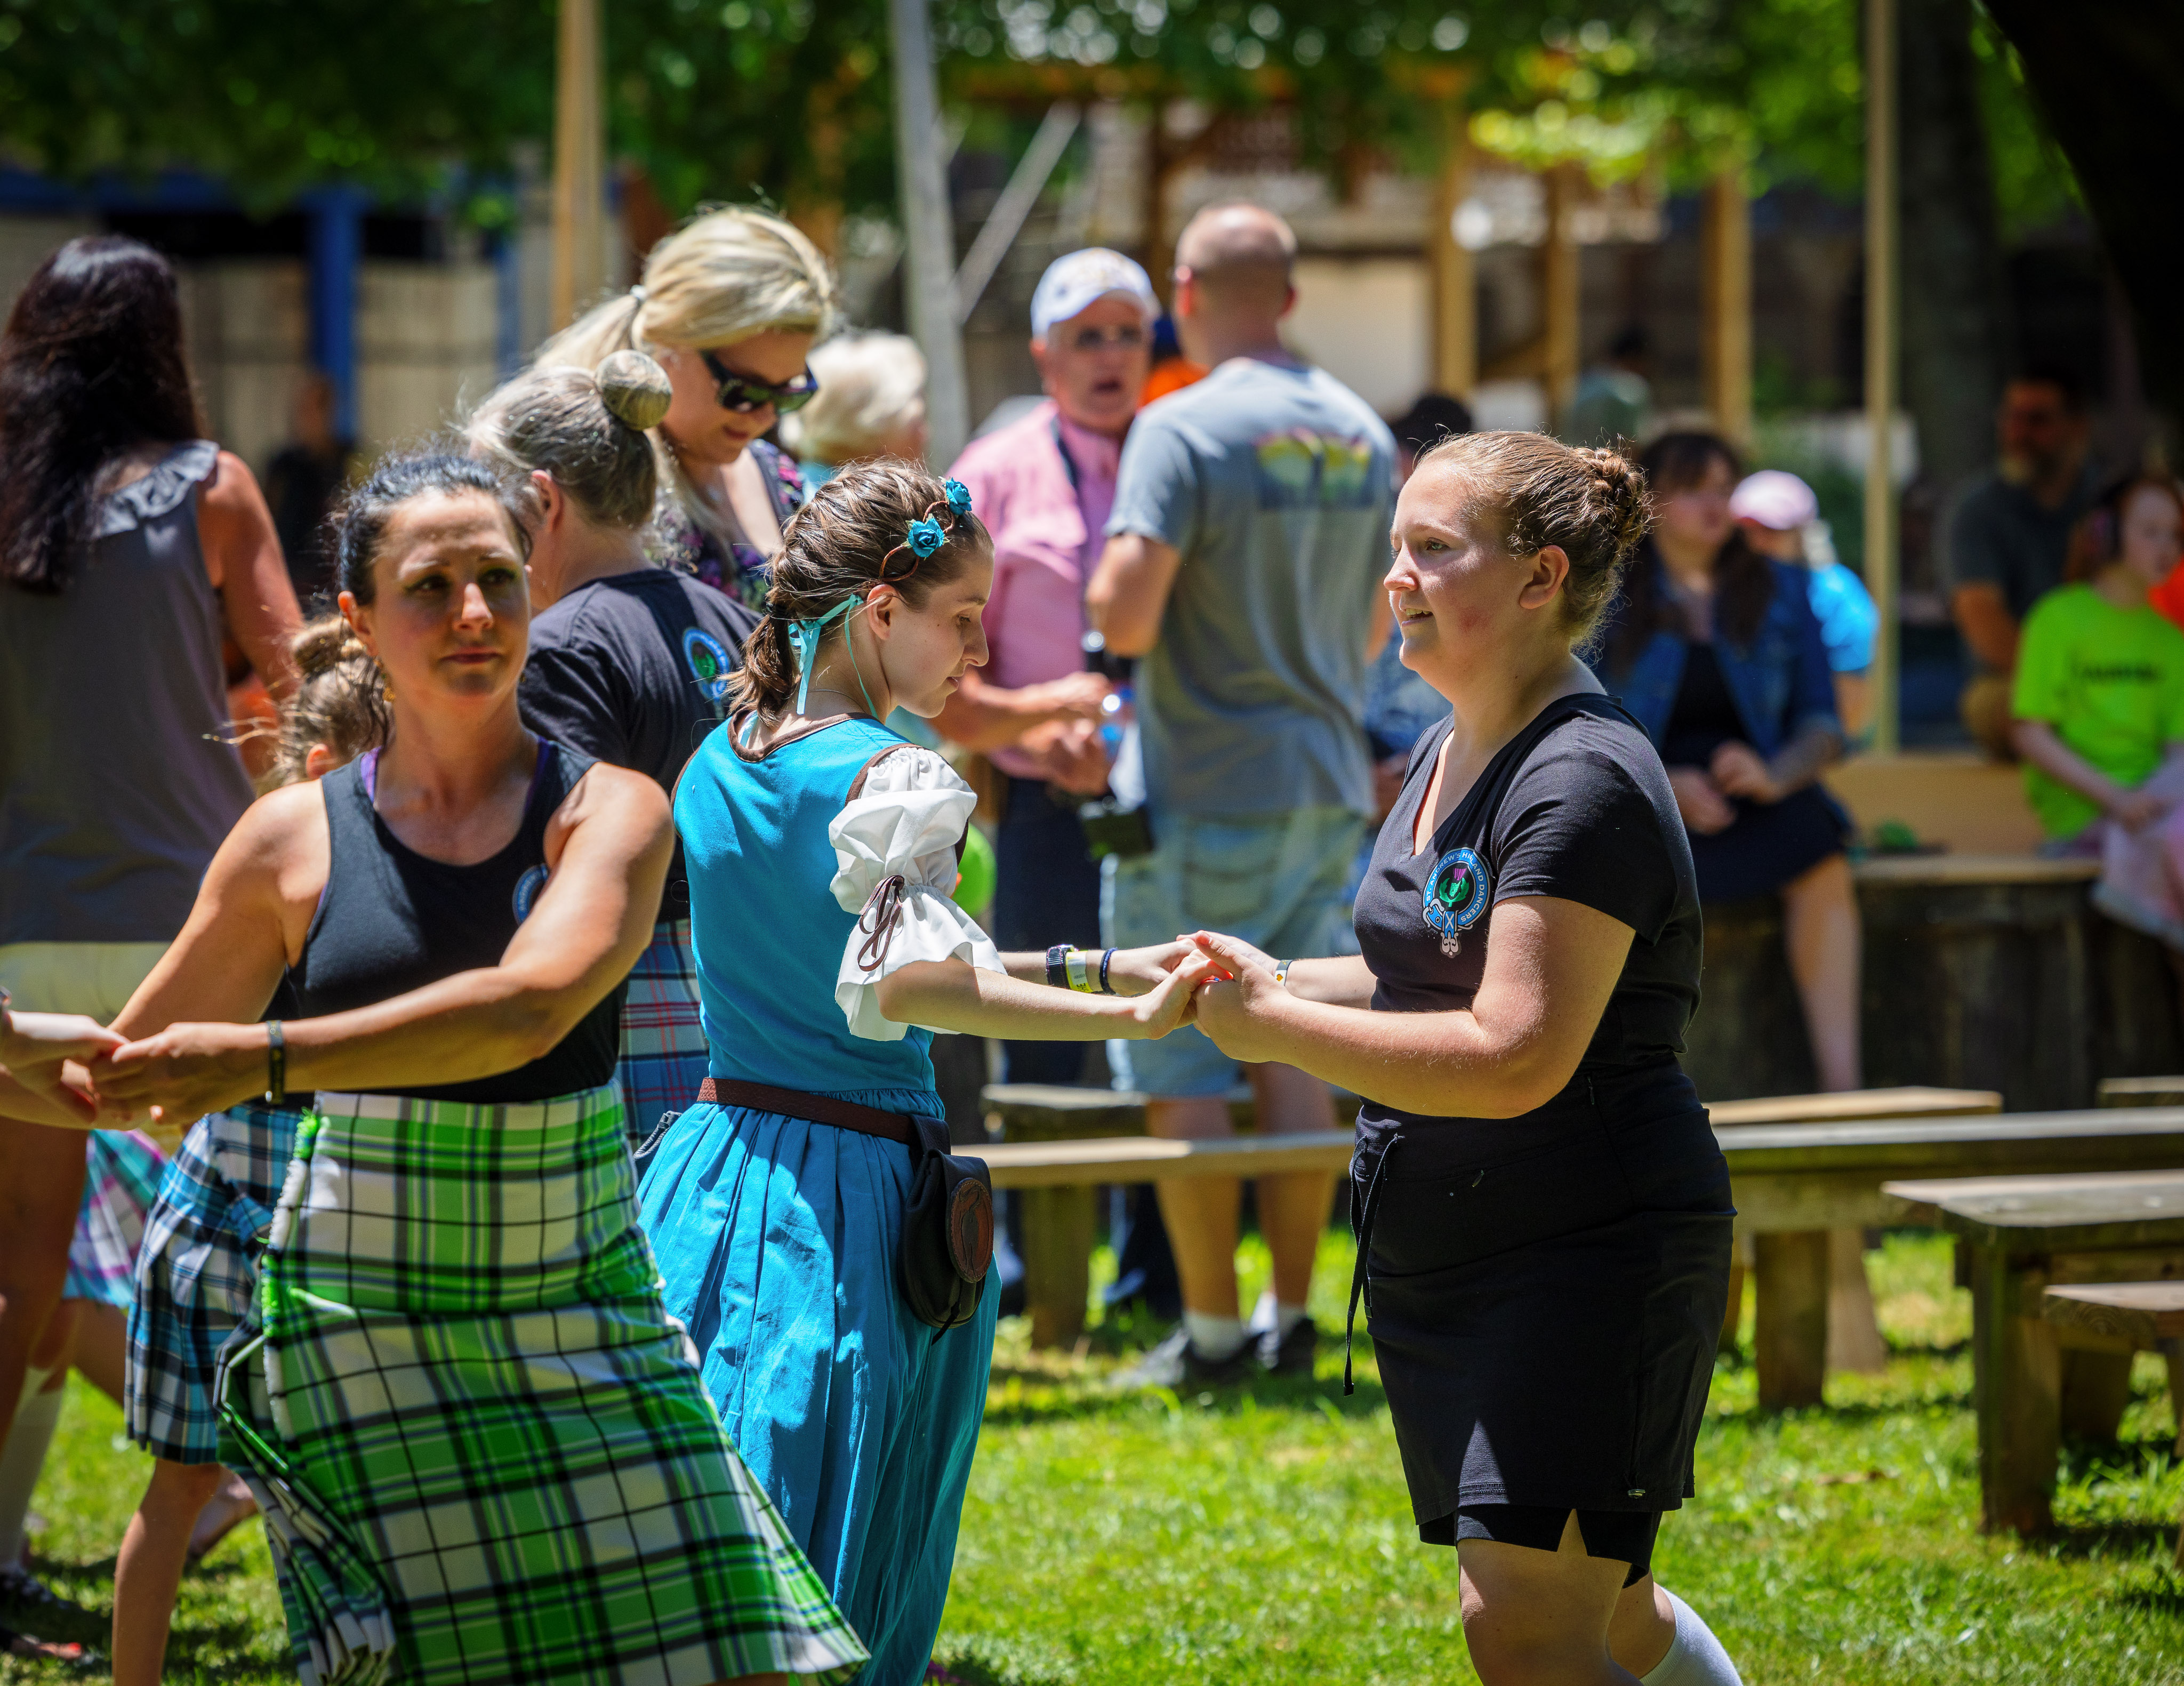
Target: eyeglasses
{"type": "Point", "coordinates": [744, 394]}
{"type": "Point", "coordinates": [1107, 339]}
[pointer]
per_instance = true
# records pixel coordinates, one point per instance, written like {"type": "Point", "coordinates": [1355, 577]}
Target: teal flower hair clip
{"type": "Point", "coordinates": [959, 495]}
{"type": "Point", "coordinates": [925, 536]}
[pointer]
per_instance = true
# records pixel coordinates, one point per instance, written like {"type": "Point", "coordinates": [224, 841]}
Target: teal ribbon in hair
{"type": "Point", "coordinates": [804, 636]}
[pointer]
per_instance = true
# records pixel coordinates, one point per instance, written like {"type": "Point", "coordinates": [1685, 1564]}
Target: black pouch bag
{"type": "Point", "coordinates": [947, 1229]}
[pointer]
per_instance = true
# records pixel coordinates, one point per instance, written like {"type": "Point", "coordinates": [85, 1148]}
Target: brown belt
{"type": "Point", "coordinates": [846, 1115]}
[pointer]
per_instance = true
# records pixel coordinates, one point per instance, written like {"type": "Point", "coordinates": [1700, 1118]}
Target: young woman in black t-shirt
{"type": "Point", "coordinates": [1544, 1218]}
{"type": "Point", "coordinates": [629, 663]}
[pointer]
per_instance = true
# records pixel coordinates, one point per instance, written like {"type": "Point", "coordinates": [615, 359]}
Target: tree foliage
{"type": "Point", "coordinates": [790, 98]}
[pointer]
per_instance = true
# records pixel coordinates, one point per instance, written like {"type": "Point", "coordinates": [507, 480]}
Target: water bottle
{"type": "Point", "coordinates": [1117, 822]}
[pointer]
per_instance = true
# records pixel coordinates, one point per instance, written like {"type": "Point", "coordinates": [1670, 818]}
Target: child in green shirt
{"type": "Point", "coordinates": [2099, 692]}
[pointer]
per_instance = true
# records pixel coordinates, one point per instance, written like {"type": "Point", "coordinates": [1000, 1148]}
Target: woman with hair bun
{"type": "Point", "coordinates": [482, 1446]}
{"type": "Point", "coordinates": [629, 663]}
{"type": "Point", "coordinates": [731, 304]}
{"type": "Point", "coordinates": [1544, 1216]}
{"type": "Point", "coordinates": [822, 851]}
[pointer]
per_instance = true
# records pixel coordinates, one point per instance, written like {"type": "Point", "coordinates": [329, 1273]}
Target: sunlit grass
{"type": "Point", "coordinates": [1263, 1535]}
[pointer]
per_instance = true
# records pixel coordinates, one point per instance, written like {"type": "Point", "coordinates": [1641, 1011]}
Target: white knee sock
{"type": "Point", "coordinates": [23, 1457]}
{"type": "Point", "coordinates": [1695, 1656]}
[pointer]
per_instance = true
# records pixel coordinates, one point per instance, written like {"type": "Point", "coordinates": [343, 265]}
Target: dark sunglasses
{"type": "Point", "coordinates": [741, 393]}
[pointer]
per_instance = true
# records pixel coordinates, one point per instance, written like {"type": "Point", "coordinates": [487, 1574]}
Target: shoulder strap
{"type": "Point", "coordinates": [857, 788]}
{"type": "Point", "coordinates": [857, 784]}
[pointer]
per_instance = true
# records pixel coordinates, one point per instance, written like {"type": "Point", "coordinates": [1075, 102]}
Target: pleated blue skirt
{"type": "Point", "coordinates": [776, 1238]}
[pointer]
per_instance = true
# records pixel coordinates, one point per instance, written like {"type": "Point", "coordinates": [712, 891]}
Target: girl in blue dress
{"type": "Point", "coordinates": [821, 850]}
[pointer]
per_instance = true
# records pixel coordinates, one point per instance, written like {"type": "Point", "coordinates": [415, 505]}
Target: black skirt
{"type": "Point", "coordinates": [1767, 845]}
{"type": "Point", "coordinates": [1545, 1320]}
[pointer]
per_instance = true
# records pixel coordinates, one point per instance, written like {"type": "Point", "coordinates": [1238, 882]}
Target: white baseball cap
{"type": "Point", "coordinates": [1074, 281]}
{"type": "Point", "coordinates": [1778, 502]}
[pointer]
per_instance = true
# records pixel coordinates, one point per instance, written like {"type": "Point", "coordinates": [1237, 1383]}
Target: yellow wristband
{"type": "Point", "coordinates": [1076, 967]}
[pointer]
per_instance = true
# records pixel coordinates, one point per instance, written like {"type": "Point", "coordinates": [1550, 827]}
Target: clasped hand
{"type": "Point", "coordinates": [66, 1063]}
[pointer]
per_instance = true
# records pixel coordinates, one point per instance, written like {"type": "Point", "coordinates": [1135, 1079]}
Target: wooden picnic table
{"type": "Point", "coordinates": [2032, 1375]}
{"type": "Point", "coordinates": [1792, 1183]}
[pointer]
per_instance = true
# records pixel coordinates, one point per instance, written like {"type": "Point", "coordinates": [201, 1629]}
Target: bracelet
{"type": "Point", "coordinates": [276, 1064]}
{"type": "Point", "coordinates": [1056, 958]}
{"type": "Point", "coordinates": [1282, 972]}
{"type": "Point", "coordinates": [5, 1018]}
{"type": "Point", "coordinates": [1107, 960]}
{"type": "Point", "coordinates": [1078, 966]}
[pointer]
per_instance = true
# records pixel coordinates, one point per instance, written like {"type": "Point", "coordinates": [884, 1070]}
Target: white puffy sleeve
{"type": "Point", "coordinates": [894, 854]}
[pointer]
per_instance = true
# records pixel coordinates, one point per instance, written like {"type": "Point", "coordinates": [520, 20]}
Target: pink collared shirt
{"type": "Point", "coordinates": [1047, 535]}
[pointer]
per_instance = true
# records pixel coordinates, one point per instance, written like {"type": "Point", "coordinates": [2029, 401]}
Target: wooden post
{"type": "Point", "coordinates": [1880, 325]}
{"type": "Point", "coordinates": [1058, 1234]}
{"type": "Point", "coordinates": [1854, 1337]}
{"type": "Point", "coordinates": [1455, 275]}
{"type": "Point", "coordinates": [1725, 294]}
{"type": "Point", "coordinates": [2096, 1390]}
{"type": "Point", "coordinates": [928, 231]}
{"type": "Point", "coordinates": [1790, 1342]}
{"type": "Point", "coordinates": [579, 165]}
{"type": "Point", "coordinates": [2018, 1385]}
{"type": "Point", "coordinates": [1560, 294]}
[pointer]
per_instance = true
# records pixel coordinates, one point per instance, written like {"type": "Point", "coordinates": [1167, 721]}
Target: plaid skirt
{"type": "Point", "coordinates": [481, 1445]}
{"type": "Point", "coordinates": [196, 1273]}
{"type": "Point", "coordinates": [122, 1171]}
{"type": "Point", "coordinates": [663, 1057]}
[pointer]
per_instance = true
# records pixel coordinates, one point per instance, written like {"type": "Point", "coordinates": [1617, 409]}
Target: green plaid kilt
{"type": "Point", "coordinates": [481, 1445]}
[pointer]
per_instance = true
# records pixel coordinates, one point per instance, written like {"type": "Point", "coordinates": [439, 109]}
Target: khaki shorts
{"type": "Point", "coordinates": [96, 978]}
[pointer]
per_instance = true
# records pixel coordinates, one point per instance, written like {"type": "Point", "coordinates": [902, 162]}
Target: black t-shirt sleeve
{"type": "Point", "coordinates": [1580, 823]}
{"type": "Point", "coordinates": [575, 693]}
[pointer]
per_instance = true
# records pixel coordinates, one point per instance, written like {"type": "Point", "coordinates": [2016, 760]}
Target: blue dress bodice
{"type": "Point", "coordinates": [764, 925]}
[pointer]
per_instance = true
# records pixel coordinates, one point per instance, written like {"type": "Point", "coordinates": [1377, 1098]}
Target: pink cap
{"type": "Point", "coordinates": [1771, 499]}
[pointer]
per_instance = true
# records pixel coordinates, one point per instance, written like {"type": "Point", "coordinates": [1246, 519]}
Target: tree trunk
{"type": "Point", "coordinates": [2109, 78]}
{"type": "Point", "coordinates": [1955, 304]}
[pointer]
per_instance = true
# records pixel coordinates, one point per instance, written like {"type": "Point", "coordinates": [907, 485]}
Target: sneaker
{"type": "Point", "coordinates": [1289, 1355]}
{"type": "Point", "coordinates": [1176, 1363]}
{"type": "Point", "coordinates": [32, 1611]}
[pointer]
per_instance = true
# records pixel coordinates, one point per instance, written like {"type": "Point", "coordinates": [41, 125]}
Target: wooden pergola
{"type": "Point", "coordinates": [1725, 303]}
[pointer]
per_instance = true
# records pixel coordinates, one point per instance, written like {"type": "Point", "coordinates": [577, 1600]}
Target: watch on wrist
{"type": "Point", "coordinates": [1057, 959]}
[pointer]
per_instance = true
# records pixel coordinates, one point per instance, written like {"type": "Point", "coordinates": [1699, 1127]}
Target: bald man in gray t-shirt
{"type": "Point", "coordinates": [1243, 565]}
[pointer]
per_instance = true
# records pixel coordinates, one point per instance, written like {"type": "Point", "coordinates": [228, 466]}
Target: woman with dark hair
{"type": "Point", "coordinates": [482, 1446]}
{"type": "Point", "coordinates": [131, 550]}
{"type": "Point", "coordinates": [822, 852]}
{"type": "Point", "coordinates": [1716, 651]}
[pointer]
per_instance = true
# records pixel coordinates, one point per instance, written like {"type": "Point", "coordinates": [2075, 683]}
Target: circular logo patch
{"type": "Point", "coordinates": [1456, 893]}
{"type": "Point", "coordinates": [526, 891]}
{"type": "Point", "coordinates": [710, 662]}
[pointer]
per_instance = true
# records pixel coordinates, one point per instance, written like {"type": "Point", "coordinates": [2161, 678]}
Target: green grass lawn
{"type": "Point", "coordinates": [1264, 1536]}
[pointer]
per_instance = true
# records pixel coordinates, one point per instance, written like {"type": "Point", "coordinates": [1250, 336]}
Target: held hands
{"type": "Point", "coordinates": [47, 1054]}
{"type": "Point", "coordinates": [182, 1073]}
{"type": "Point", "coordinates": [1070, 755]}
{"type": "Point", "coordinates": [1174, 1000]}
{"type": "Point", "coordinates": [1239, 1004]}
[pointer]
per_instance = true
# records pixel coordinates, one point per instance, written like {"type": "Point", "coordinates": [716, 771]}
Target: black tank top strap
{"type": "Point", "coordinates": [391, 921]}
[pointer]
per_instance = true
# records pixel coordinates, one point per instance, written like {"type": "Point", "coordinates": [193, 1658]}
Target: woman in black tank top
{"type": "Point", "coordinates": [458, 1312]}
{"type": "Point", "coordinates": [1543, 1213]}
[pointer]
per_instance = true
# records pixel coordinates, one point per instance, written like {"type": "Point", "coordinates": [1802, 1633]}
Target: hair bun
{"type": "Point", "coordinates": [323, 645]}
{"type": "Point", "coordinates": [635, 390]}
{"type": "Point", "coordinates": [1627, 501]}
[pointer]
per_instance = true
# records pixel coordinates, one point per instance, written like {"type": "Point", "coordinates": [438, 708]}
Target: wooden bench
{"type": "Point", "coordinates": [2035, 1375]}
{"type": "Point", "coordinates": [2148, 1316]}
{"type": "Point", "coordinates": [2141, 1092]}
{"type": "Point", "coordinates": [1060, 1219]}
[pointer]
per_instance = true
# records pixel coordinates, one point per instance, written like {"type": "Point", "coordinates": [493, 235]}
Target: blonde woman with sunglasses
{"type": "Point", "coordinates": [731, 305]}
